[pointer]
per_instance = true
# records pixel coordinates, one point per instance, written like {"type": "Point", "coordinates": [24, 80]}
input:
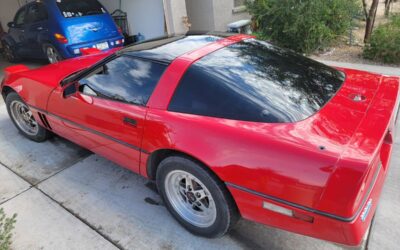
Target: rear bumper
{"type": "Point", "coordinates": [346, 231]}
{"type": "Point", "coordinates": [73, 50]}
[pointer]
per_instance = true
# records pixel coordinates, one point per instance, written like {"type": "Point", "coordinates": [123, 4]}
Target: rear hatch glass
{"type": "Point", "coordinates": [256, 81]}
{"type": "Point", "coordinates": [78, 8]}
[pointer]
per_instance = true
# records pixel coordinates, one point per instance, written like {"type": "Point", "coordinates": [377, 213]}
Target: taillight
{"type": "Point", "coordinates": [389, 137]}
{"type": "Point", "coordinates": [303, 217]}
{"type": "Point", "coordinates": [60, 38]}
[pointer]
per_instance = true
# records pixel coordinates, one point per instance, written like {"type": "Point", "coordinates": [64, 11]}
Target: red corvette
{"type": "Point", "coordinates": [227, 126]}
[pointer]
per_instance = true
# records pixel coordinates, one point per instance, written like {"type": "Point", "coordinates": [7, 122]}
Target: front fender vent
{"type": "Point", "coordinates": [44, 120]}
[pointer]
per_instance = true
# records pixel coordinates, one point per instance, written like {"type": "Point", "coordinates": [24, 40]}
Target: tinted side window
{"type": "Point", "coordinates": [36, 13]}
{"type": "Point", "coordinates": [19, 19]}
{"type": "Point", "coordinates": [124, 79]}
{"type": "Point", "coordinates": [200, 94]}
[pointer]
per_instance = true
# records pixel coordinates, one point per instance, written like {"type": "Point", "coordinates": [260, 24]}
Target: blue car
{"type": "Point", "coordinates": [58, 29]}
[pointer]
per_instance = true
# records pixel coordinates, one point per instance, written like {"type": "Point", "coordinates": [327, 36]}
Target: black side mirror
{"type": "Point", "coordinates": [70, 89]}
{"type": "Point", "coordinates": [11, 25]}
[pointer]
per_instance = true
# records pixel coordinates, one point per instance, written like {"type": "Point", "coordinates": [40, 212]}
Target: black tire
{"type": "Point", "coordinates": [41, 135]}
{"type": "Point", "coordinates": [226, 210]}
{"type": "Point", "coordinates": [52, 54]}
{"type": "Point", "coordinates": [9, 53]}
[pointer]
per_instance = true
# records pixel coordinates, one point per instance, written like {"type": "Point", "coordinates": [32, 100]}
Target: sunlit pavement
{"type": "Point", "coordinates": [67, 198]}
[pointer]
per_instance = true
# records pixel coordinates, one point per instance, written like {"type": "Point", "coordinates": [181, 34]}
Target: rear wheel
{"type": "Point", "coordinates": [52, 54]}
{"type": "Point", "coordinates": [9, 53]}
{"type": "Point", "coordinates": [23, 119]}
{"type": "Point", "coordinates": [195, 197]}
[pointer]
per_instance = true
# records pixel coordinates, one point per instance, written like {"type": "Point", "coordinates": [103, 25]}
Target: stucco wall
{"type": "Point", "coordinates": [175, 10]}
{"type": "Point", "coordinates": [223, 14]}
{"type": "Point", "coordinates": [8, 9]}
{"type": "Point", "coordinates": [144, 16]}
{"type": "Point", "coordinates": [201, 14]}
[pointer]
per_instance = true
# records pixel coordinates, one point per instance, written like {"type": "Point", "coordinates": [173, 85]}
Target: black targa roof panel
{"type": "Point", "coordinates": [170, 48]}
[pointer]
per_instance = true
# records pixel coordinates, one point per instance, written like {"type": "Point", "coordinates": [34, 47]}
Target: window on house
{"type": "Point", "coordinates": [239, 3]}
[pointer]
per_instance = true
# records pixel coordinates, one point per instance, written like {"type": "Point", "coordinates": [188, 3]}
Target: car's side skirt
{"type": "Point", "coordinates": [91, 130]}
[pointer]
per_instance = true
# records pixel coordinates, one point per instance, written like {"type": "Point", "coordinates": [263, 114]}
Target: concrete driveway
{"type": "Point", "coordinates": [68, 198]}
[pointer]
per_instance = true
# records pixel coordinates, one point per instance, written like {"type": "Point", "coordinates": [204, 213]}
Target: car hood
{"type": "Point", "coordinates": [53, 74]}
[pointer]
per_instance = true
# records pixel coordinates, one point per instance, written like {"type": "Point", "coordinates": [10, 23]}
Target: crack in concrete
{"type": "Point", "coordinates": [24, 191]}
{"type": "Point", "coordinates": [62, 170]}
{"type": "Point", "coordinates": [70, 211]}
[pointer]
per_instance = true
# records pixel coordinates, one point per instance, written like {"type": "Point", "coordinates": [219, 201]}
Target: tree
{"type": "Point", "coordinates": [370, 16]}
{"type": "Point", "coordinates": [388, 3]}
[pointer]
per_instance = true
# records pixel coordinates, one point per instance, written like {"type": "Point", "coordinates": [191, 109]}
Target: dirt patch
{"type": "Point", "coordinates": [346, 51]}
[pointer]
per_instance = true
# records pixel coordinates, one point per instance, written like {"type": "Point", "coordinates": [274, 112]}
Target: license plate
{"type": "Point", "coordinates": [102, 46]}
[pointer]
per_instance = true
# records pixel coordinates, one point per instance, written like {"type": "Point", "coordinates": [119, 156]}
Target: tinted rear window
{"type": "Point", "coordinates": [256, 81]}
{"type": "Point", "coordinates": [77, 8]}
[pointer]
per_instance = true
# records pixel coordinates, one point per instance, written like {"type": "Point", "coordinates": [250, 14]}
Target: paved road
{"type": "Point", "coordinates": [67, 198]}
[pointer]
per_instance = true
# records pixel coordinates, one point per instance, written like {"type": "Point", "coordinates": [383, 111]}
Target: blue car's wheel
{"type": "Point", "coordinates": [52, 54]}
{"type": "Point", "coordinates": [9, 53]}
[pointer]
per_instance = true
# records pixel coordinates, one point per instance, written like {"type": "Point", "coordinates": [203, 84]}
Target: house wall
{"type": "Point", "coordinates": [174, 11]}
{"type": "Point", "coordinates": [144, 16]}
{"type": "Point", "coordinates": [223, 14]}
{"type": "Point", "coordinates": [8, 9]}
{"type": "Point", "coordinates": [201, 15]}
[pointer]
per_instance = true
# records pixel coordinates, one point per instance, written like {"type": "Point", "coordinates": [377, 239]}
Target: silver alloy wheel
{"type": "Point", "coordinates": [23, 117]}
{"type": "Point", "coordinates": [190, 198]}
{"type": "Point", "coordinates": [52, 55]}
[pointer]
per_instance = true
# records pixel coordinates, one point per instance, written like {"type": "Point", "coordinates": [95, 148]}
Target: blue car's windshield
{"type": "Point", "coordinates": [78, 8]}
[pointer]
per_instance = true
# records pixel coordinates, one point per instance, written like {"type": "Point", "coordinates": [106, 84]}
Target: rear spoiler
{"type": "Point", "coordinates": [372, 144]}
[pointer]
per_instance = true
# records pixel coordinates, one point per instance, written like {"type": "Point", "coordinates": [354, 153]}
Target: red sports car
{"type": "Point", "coordinates": [227, 126]}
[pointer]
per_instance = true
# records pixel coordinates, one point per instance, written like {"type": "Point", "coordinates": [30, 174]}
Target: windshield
{"type": "Point", "coordinates": [78, 8]}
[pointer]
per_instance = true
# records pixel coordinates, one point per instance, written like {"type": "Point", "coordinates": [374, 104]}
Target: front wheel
{"type": "Point", "coordinates": [195, 197]}
{"type": "Point", "coordinates": [23, 119]}
{"type": "Point", "coordinates": [9, 53]}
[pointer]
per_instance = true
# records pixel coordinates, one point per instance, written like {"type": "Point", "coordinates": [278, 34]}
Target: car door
{"type": "Point", "coordinates": [17, 31]}
{"type": "Point", "coordinates": [105, 110]}
{"type": "Point", "coordinates": [36, 29]}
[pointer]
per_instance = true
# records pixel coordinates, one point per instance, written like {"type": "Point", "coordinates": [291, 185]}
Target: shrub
{"type": "Point", "coordinates": [303, 25]}
{"type": "Point", "coordinates": [384, 44]}
{"type": "Point", "coordinates": [6, 227]}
